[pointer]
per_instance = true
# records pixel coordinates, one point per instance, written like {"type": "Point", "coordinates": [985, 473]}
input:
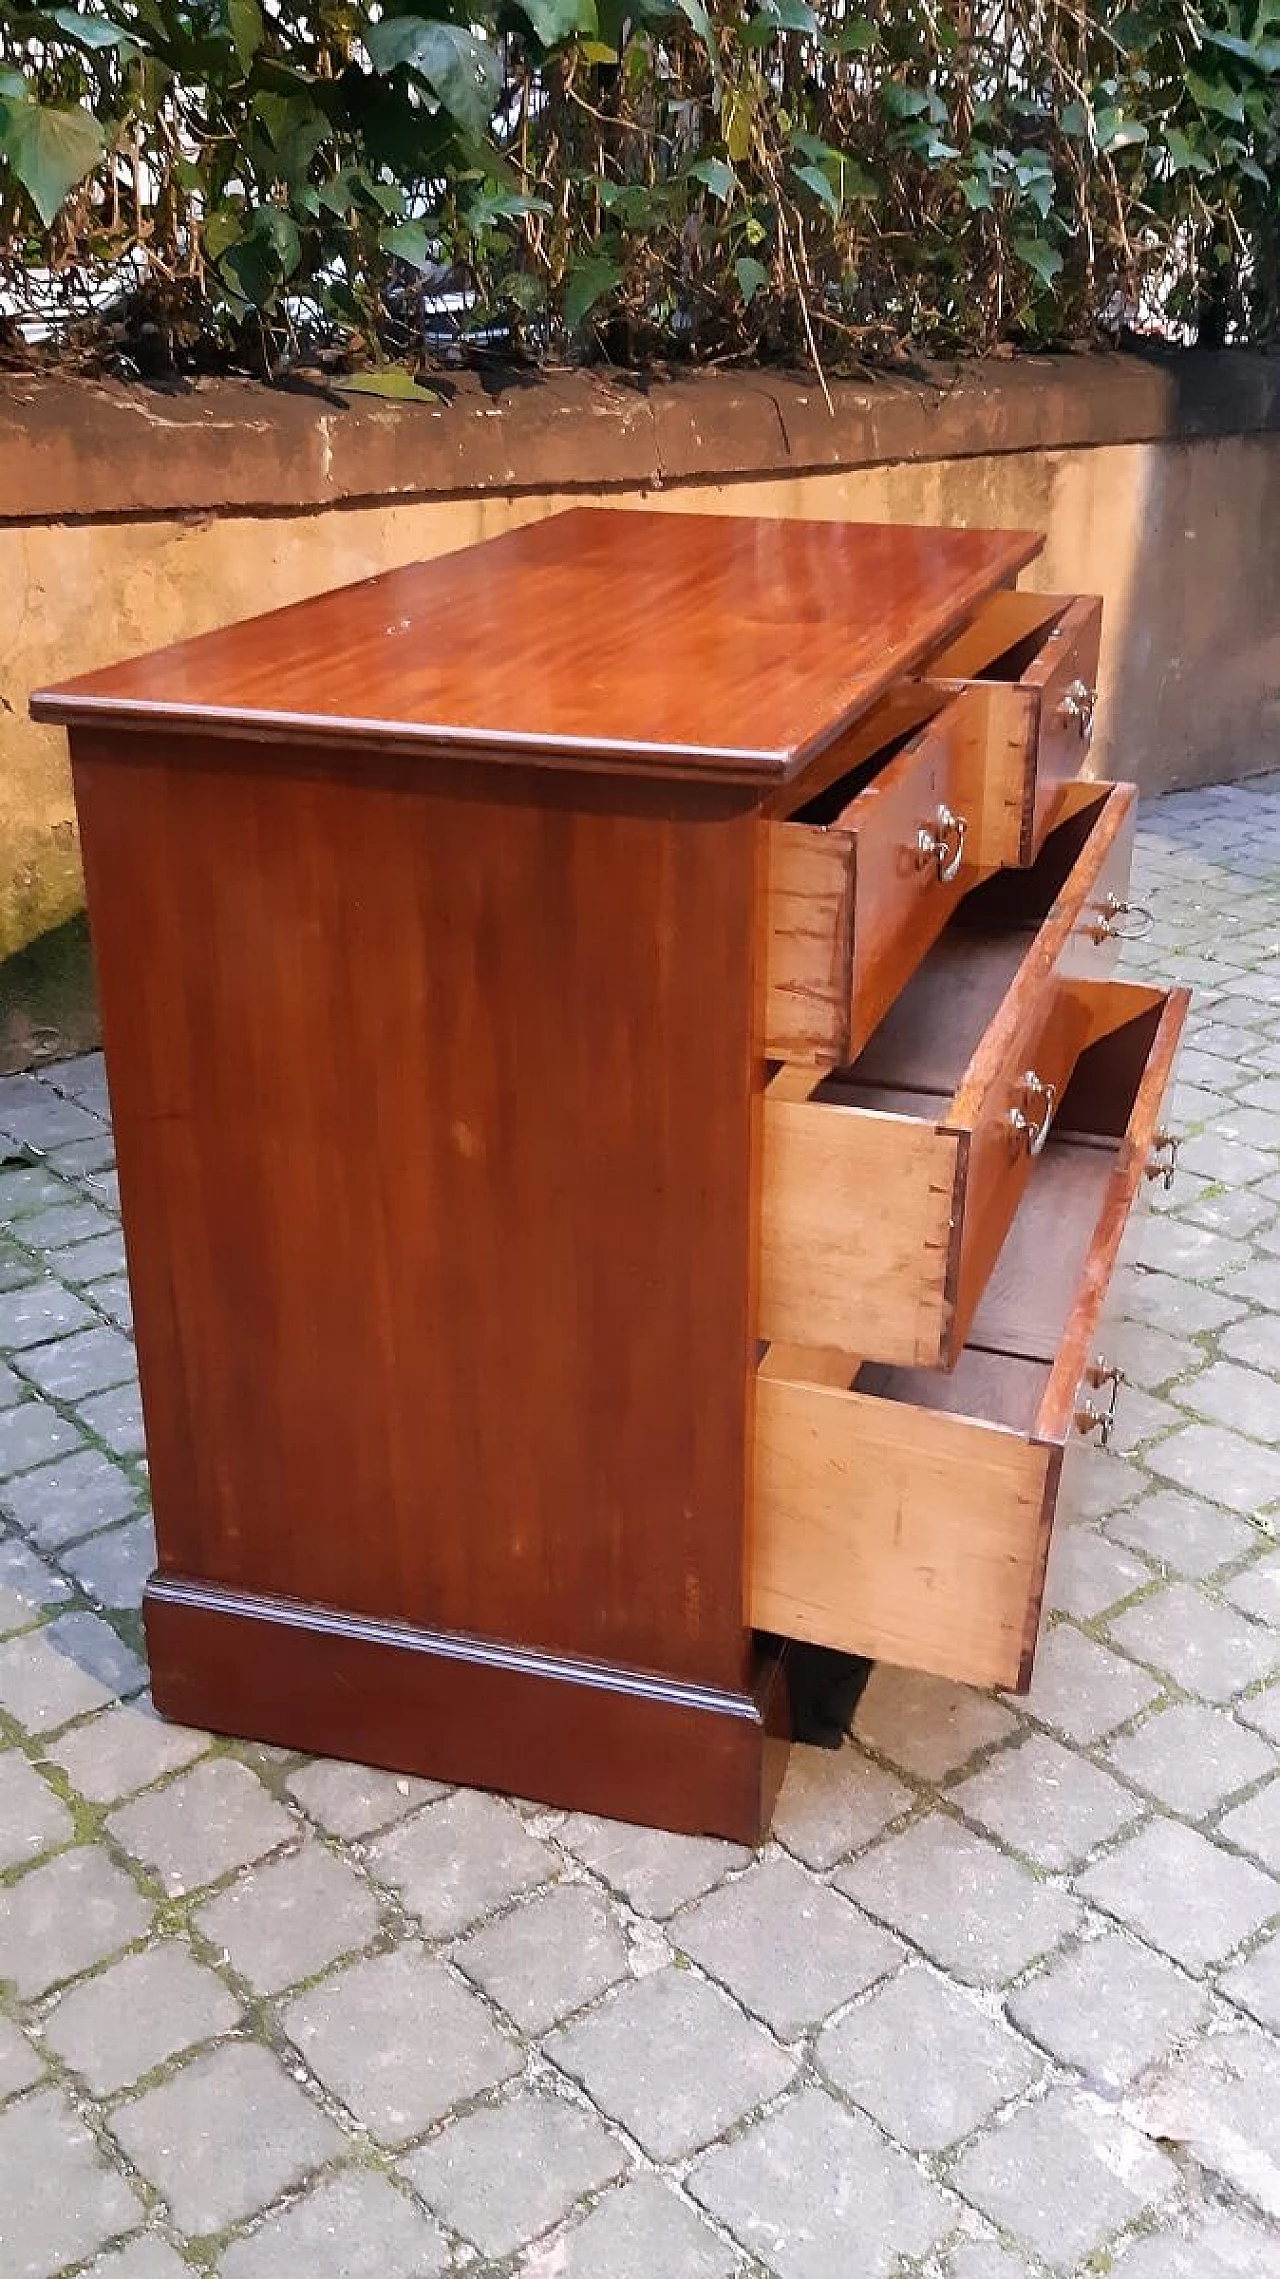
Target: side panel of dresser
{"type": "Point", "coordinates": [433, 1105]}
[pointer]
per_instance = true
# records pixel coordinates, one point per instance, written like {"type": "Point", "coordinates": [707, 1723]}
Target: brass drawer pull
{"type": "Point", "coordinates": [1119, 921]}
{"type": "Point", "coordinates": [1078, 704]}
{"type": "Point", "coordinates": [1163, 1162]}
{"type": "Point", "coordinates": [942, 843]}
{"type": "Point", "coordinates": [1091, 1416]}
{"type": "Point", "coordinates": [1026, 1126]}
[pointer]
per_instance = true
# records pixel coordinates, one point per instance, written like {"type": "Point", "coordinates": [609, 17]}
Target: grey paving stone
{"type": "Point", "coordinates": [1083, 1691]}
{"type": "Point", "coordinates": [833, 1801]}
{"type": "Point", "coordinates": [1229, 1393]}
{"type": "Point", "coordinates": [42, 1681]}
{"type": "Point", "coordinates": [1234, 1162]}
{"type": "Point", "coordinates": [1204, 1648]}
{"type": "Point", "coordinates": [115, 1566]}
{"type": "Point", "coordinates": [31, 1111]}
{"type": "Point", "coordinates": [458, 1860]}
{"type": "Point", "coordinates": [1262, 1711]}
{"type": "Point", "coordinates": [1219, 2102]}
{"type": "Point", "coordinates": [1238, 1210]}
{"type": "Point", "coordinates": [212, 1819]}
{"type": "Point", "coordinates": [1255, 1826]}
{"type": "Point", "coordinates": [89, 1362]}
{"type": "Point", "coordinates": [145, 2257]}
{"type": "Point", "coordinates": [26, 1585]}
{"type": "Point", "coordinates": [970, 1907]}
{"type": "Point", "coordinates": [288, 1920]}
{"type": "Point", "coordinates": [116, 1418]}
{"type": "Point", "coordinates": [114, 1298]}
{"type": "Point", "coordinates": [352, 2226]}
{"type": "Point", "coordinates": [1256, 1590]}
{"type": "Point", "coordinates": [1088, 1573]}
{"type": "Point", "coordinates": [1172, 1246]}
{"type": "Point", "coordinates": [27, 1190]}
{"type": "Point", "coordinates": [32, 1818]}
{"type": "Point", "coordinates": [11, 1385]}
{"type": "Point", "coordinates": [1183, 1308]}
{"type": "Point", "coordinates": [1221, 2245]}
{"type": "Point", "coordinates": [59, 2200]}
{"type": "Point", "coordinates": [547, 1957]}
{"type": "Point", "coordinates": [1256, 1340]}
{"type": "Point", "coordinates": [1255, 1983]}
{"type": "Point", "coordinates": [1102, 1481]}
{"type": "Point", "coordinates": [816, 2193]}
{"type": "Point", "coordinates": [1191, 1757]}
{"type": "Point", "coordinates": [1240, 1473]}
{"type": "Point", "coordinates": [32, 1434]}
{"type": "Point", "coordinates": [505, 2174]}
{"type": "Point", "coordinates": [924, 1725]}
{"type": "Point", "coordinates": [113, 2028]}
{"type": "Point", "coordinates": [1047, 1802]}
{"type": "Point", "coordinates": [982, 2259]}
{"type": "Point", "coordinates": [123, 1750]}
{"type": "Point", "coordinates": [82, 1078]}
{"type": "Point", "coordinates": [354, 1800]}
{"type": "Point", "coordinates": [639, 2232]}
{"type": "Point", "coordinates": [224, 2135]}
{"type": "Point", "coordinates": [67, 1499]}
{"type": "Point", "coordinates": [925, 2060]}
{"type": "Point", "coordinates": [1183, 1532]}
{"type": "Point", "coordinates": [672, 2060]}
{"type": "Point", "coordinates": [400, 2042]}
{"type": "Point", "coordinates": [62, 1917]}
{"type": "Point", "coordinates": [654, 1872]}
{"type": "Point", "coordinates": [91, 1262]}
{"type": "Point", "coordinates": [788, 1947]}
{"type": "Point", "coordinates": [1111, 2009]}
{"type": "Point", "coordinates": [1183, 1894]}
{"type": "Point", "coordinates": [61, 1223]}
{"type": "Point", "coordinates": [1063, 2177]}
{"type": "Point", "coordinates": [20, 2068]}
{"type": "Point", "coordinates": [38, 1311]}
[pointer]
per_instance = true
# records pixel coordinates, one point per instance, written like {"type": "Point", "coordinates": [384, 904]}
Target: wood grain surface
{"type": "Point", "coordinates": [695, 644]}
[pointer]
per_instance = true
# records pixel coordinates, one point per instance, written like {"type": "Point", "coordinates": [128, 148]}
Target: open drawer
{"type": "Point", "coordinates": [863, 876]}
{"type": "Point", "coordinates": [1034, 657]}
{"type": "Point", "coordinates": [888, 1187]}
{"type": "Point", "coordinates": [905, 1514]}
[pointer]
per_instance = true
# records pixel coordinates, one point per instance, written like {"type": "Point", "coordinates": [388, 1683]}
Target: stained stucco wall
{"type": "Point", "coordinates": [1181, 534]}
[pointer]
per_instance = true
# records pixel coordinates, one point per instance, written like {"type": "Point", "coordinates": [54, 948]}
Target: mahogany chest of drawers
{"type": "Point", "coordinates": [625, 1125]}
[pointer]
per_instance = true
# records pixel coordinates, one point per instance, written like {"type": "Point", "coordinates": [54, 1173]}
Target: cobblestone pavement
{"type": "Point", "coordinates": [1002, 1996]}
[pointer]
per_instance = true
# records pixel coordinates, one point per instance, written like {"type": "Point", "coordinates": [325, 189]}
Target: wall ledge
{"type": "Point", "coordinates": [95, 450]}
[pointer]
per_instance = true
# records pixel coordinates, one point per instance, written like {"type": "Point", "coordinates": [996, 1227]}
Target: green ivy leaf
{"type": "Point", "coordinates": [50, 150]}
{"type": "Point", "coordinates": [1043, 259]}
{"type": "Point", "coordinates": [1264, 55]}
{"type": "Point", "coordinates": [903, 102]}
{"type": "Point", "coordinates": [752, 277]}
{"type": "Point", "coordinates": [857, 38]}
{"type": "Point", "coordinates": [695, 13]}
{"type": "Point", "coordinates": [814, 179]}
{"type": "Point", "coordinates": [557, 20]}
{"type": "Point", "coordinates": [88, 30]}
{"type": "Point", "coordinates": [246, 29]}
{"type": "Point", "coordinates": [791, 15]}
{"type": "Point", "coordinates": [1216, 95]}
{"type": "Point", "coordinates": [1184, 156]}
{"type": "Point", "coordinates": [588, 281]}
{"type": "Point", "coordinates": [1124, 134]}
{"type": "Point", "coordinates": [463, 73]}
{"type": "Point", "coordinates": [408, 241]}
{"type": "Point", "coordinates": [719, 177]}
{"type": "Point", "coordinates": [976, 192]}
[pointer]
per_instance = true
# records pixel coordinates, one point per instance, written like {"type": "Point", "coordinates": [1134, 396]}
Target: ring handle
{"type": "Point", "coordinates": [1090, 1416]}
{"type": "Point", "coordinates": [1162, 1163]}
{"type": "Point", "coordinates": [942, 843]}
{"type": "Point", "coordinates": [1079, 704]}
{"type": "Point", "coordinates": [1109, 925]}
{"type": "Point", "coordinates": [1027, 1127]}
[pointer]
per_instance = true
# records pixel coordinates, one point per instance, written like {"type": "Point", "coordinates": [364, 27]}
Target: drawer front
{"type": "Point", "coordinates": [880, 1221]}
{"type": "Point", "coordinates": [852, 905]}
{"type": "Point", "coordinates": [1033, 730]}
{"type": "Point", "coordinates": [1064, 680]}
{"type": "Point", "coordinates": [908, 1519]}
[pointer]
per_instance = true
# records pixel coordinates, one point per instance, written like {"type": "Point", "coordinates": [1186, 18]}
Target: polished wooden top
{"type": "Point", "coordinates": [719, 646]}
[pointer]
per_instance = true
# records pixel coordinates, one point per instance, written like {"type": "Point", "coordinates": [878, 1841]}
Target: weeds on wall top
{"type": "Point", "coordinates": [267, 183]}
